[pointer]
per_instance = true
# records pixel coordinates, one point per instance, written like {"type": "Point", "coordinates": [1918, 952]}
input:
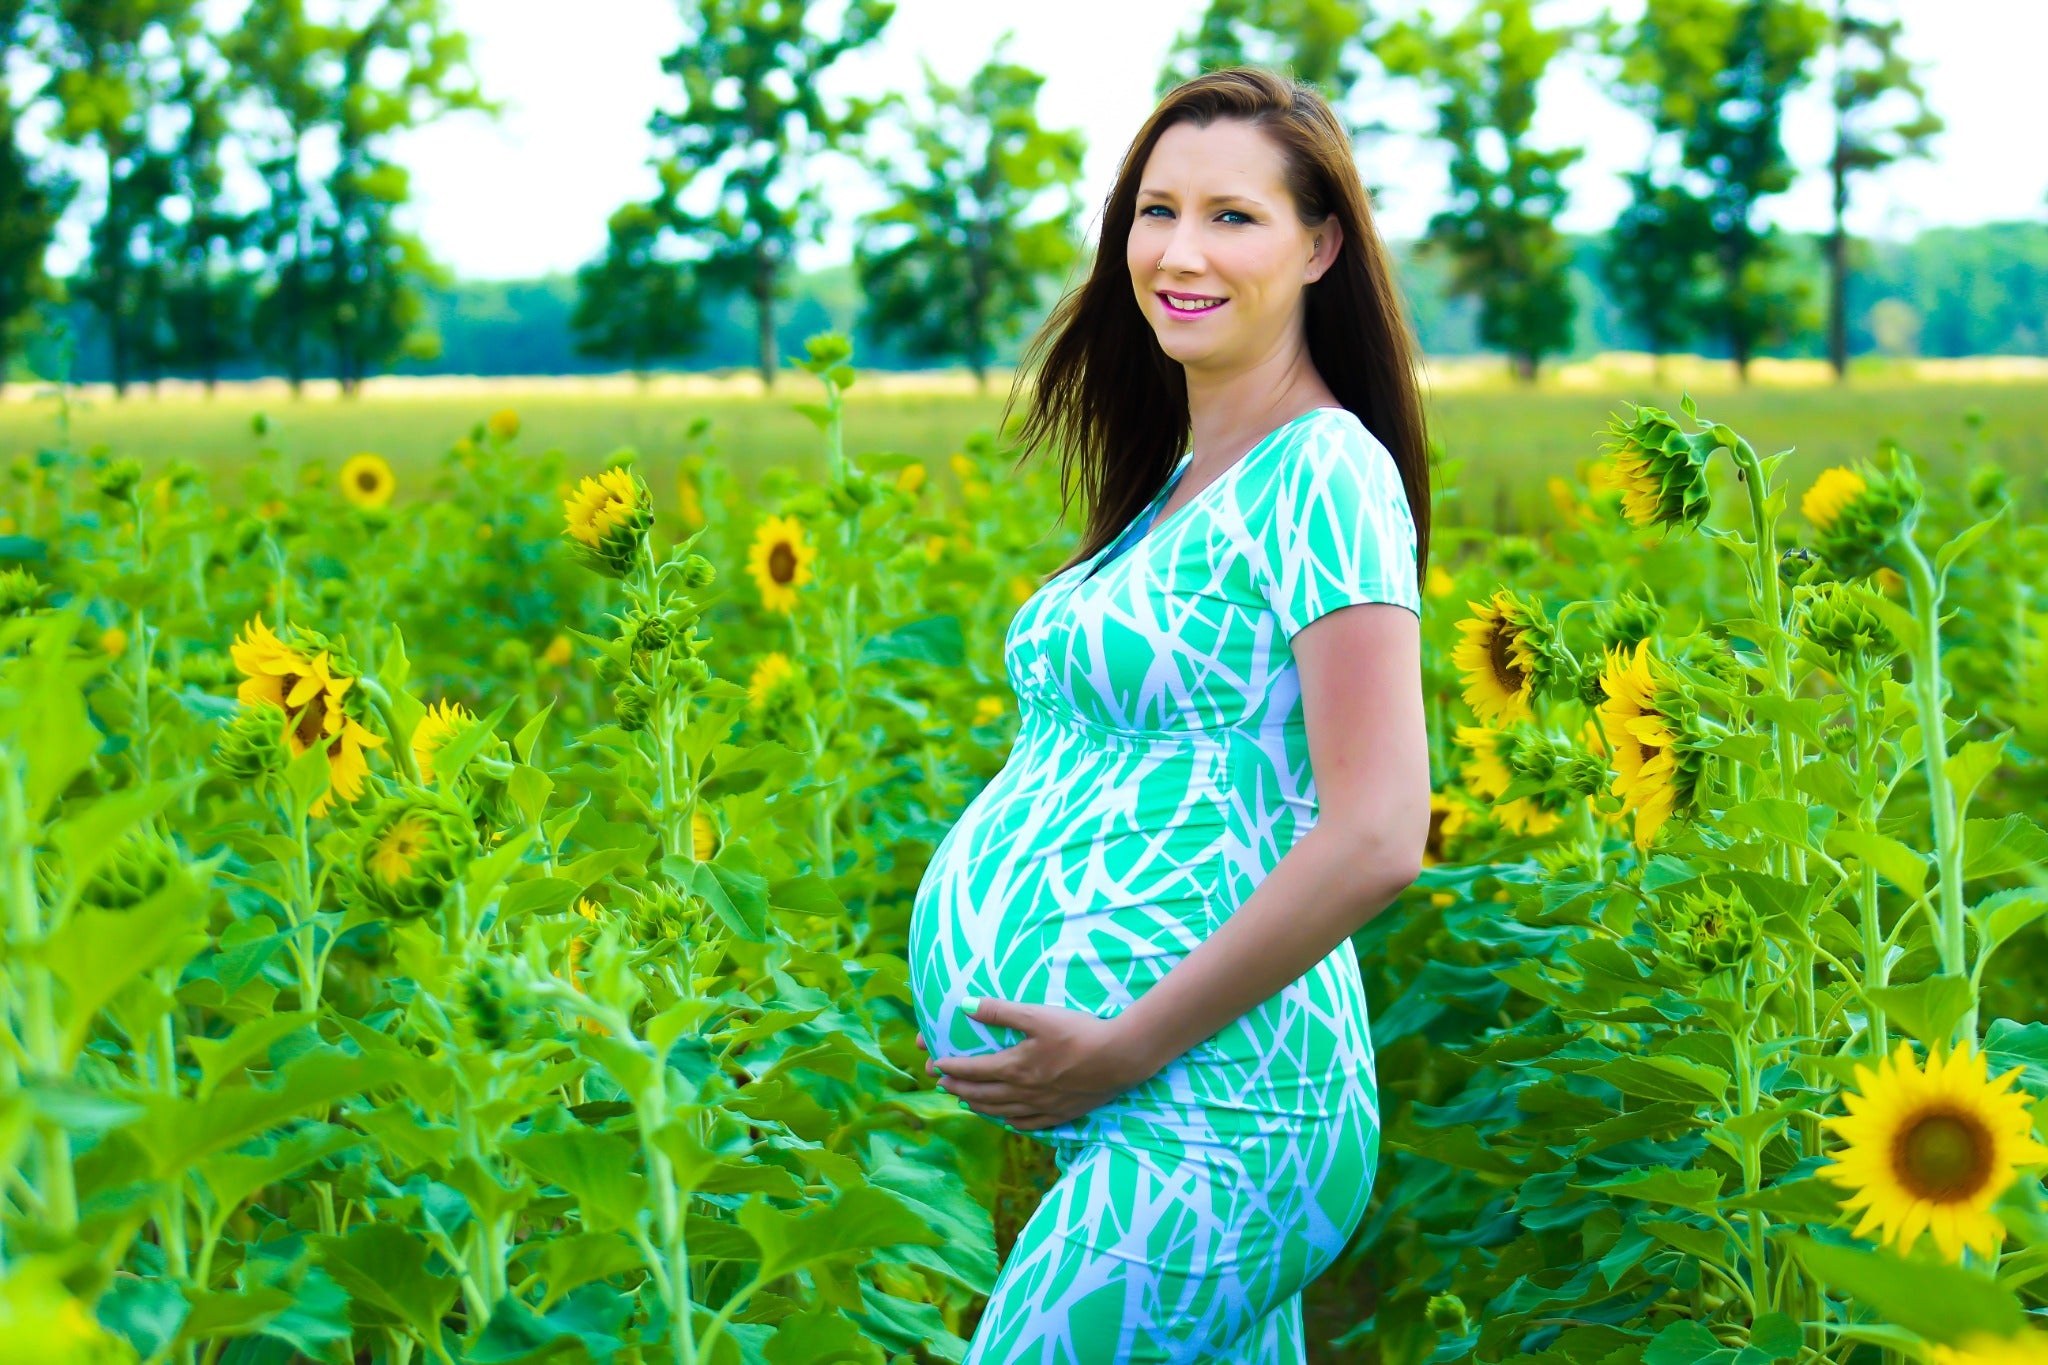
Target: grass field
{"type": "Point", "coordinates": [1510, 439]}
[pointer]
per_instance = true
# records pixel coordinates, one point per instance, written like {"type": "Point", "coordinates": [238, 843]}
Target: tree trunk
{"type": "Point", "coordinates": [1838, 239]}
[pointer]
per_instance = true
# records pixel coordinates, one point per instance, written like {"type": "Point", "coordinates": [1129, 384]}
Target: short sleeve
{"type": "Point", "coordinates": [1338, 530]}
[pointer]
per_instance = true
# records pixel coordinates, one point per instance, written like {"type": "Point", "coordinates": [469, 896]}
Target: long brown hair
{"type": "Point", "coordinates": [1114, 405]}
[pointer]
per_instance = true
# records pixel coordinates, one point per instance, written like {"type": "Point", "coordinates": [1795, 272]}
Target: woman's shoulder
{"type": "Point", "coordinates": [1332, 443]}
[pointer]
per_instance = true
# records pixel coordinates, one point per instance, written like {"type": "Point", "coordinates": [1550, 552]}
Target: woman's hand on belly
{"type": "Point", "coordinates": [1070, 1062]}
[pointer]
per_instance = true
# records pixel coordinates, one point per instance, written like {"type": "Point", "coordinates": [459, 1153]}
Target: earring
{"type": "Point", "coordinates": [1161, 265]}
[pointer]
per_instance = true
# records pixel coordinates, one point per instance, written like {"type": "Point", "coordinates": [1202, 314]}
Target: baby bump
{"type": "Point", "coordinates": [1015, 911]}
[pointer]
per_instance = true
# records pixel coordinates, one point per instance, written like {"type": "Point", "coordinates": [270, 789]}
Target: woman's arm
{"type": "Point", "coordinates": [1361, 689]}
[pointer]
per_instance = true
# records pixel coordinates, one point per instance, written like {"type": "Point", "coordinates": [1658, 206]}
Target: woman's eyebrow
{"type": "Point", "coordinates": [1211, 199]}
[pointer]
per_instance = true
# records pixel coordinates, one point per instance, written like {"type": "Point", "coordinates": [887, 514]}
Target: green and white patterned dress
{"type": "Point", "coordinates": [1160, 772]}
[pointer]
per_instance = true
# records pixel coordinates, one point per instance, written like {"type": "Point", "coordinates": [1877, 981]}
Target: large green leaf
{"type": "Point", "coordinates": [1942, 1302]}
{"type": "Point", "coordinates": [1695, 1189]}
{"type": "Point", "coordinates": [859, 1220]}
{"type": "Point", "coordinates": [384, 1267]}
{"type": "Point", "coordinates": [1927, 1009]}
{"type": "Point", "coordinates": [596, 1168]}
{"type": "Point", "coordinates": [1665, 1078]}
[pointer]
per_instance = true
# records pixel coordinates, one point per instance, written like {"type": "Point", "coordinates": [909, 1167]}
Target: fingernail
{"type": "Point", "coordinates": [971, 1003]}
{"type": "Point", "coordinates": [931, 1068]}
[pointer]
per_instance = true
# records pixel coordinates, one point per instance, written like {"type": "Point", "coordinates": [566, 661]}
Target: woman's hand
{"type": "Point", "coordinates": [1069, 1063]}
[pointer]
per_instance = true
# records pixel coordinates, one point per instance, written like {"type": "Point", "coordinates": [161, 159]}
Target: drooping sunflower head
{"type": "Point", "coordinates": [780, 561]}
{"type": "Point", "coordinates": [1932, 1150]}
{"type": "Point", "coordinates": [607, 516]}
{"type": "Point", "coordinates": [703, 835]}
{"type": "Point", "coordinates": [309, 678]}
{"type": "Point", "coordinates": [442, 722]}
{"type": "Point", "coordinates": [1660, 471]}
{"type": "Point", "coordinates": [503, 425]}
{"type": "Point", "coordinates": [410, 851]}
{"type": "Point", "coordinates": [1633, 615]}
{"type": "Point", "coordinates": [1447, 816]}
{"type": "Point", "coordinates": [1647, 721]}
{"type": "Point", "coordinates": [1507, 653]}
{"type": "Point", "coordinates": [1859, 514]}
{"type": "Point", "coordinates": [366, 481]}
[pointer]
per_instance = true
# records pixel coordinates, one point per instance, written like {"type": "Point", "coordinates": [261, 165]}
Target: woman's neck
{"type": "Point", "coordinates": [1230, 413]}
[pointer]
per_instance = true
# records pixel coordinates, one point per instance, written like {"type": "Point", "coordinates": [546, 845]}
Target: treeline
{"type": "Point", "coordinates": [159, 99]}
{"type": "Point", "coordinates": [1949, 292]}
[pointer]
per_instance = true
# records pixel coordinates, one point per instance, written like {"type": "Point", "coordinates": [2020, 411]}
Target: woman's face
{"type": "Point", "coordinates": [1217, 254]}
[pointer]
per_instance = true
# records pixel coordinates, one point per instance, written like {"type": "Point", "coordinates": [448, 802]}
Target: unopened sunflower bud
{"type": "Point", "coordinates": [21, 592]}
{"type": "Point", "coordinates": [1712, 930]}
{"type": "Point", "coordinates": [1842, 626]}
{"type": "Point", "coordinates": [693, 672]}
{"type": "Point", "coordinates": [635, 703]}
{"type": "Point", "coordinates": [1446, 1313]}
{"type": "Point", "coordinates": [490, 1004]}
{"type": "Point", "coordinates": [252, 745]}
{"type": "Point", "coordinates": [698, 571]}
{"type": "Point", "coordinates": [1514, 556]}
{"type": "Point", "coordinates": [1799, 565]}
{"type": "Point", "coordinates": [143, 863]}
{"type": "Point", "coordinates": [1988, 487]}
{"type": "Point", "coordinates": [1839, 739]}
{"type": "Point", "coordinates": [118, 478]}
{"type": "Point", "coordinates": [647, 634]}
{"type": "Point", "coordinates": [1633, 615]}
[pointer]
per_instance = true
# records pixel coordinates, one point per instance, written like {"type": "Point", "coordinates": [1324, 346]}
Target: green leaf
{"type": "Point", "coordinates": [385, 1266]}
{"type": "Point", "coordinates": [2004, 913]}
{"type": "Point", "coordinates": [96, 953]}
{"type": "Point", "coordinates": [822, 1336]}
{"type": "Point", "coordinates": [1775, 816]}
{"type": "Point", "coordinates": [1928, 1009]}
{"type": "Point", "coordinates": [1694, 1189]}
{"type": "Point", "coordinates": [1968, 766]}
{"type": "Point", "coordinates": [1994, 847]}
{"type": "Point", "coordinates": [146, 1313]}
{"type": "Point", "coordinates": [233, 1177]}
{"type": "Point", "coordinates": [529, 734]}
{"type": "Point", "coordinates": [1898, 864]}
{"type": "Point", "coordinates": [455, 753]}
{"type": "Point", "coordinates": [1942, 1302]}
{"type": "Point", "coordinates": [1684, 1342]}
{"type": "Point", "coordinates": [219, 1058]}
{"type": "Point", "coordinates": [306, 778]}
{"type": "Point", "coordinates": [934, 640]}
{"type": "Point", "coordinates": [180, 1131]}
{"type": "Point", "coordinates": [540, 893]}
{"type": "Point", "coordinates": [1665, 1078]}
{"type": "Point", "coordinates": [808, 894]}
{"type": "Point", "coordinates": [88, 836]}
{"type": "Point", "coordinates": [596, 1168]}
{"type": "Point", "coordinates": [1809, 1200]}
{"type": "Point", "coordinates": [568, 1263]}
{"type": "Point", "coordinates": [861, 1219]}
{"type": "Point", "coordinates": [1960, 543]}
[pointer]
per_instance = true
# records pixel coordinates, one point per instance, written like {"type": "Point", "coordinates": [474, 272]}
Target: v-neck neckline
{"type": "Point", "coordinates": [1150, 514]}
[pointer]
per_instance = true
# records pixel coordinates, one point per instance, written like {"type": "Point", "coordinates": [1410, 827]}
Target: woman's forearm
{"type": "Point", "coordinates": [1332, 881]}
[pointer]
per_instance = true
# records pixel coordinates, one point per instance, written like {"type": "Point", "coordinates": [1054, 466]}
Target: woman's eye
{"type": "Point", "coordinates": [1150, 207]}
{"type": "Point", "coordinates": [1233, 212]}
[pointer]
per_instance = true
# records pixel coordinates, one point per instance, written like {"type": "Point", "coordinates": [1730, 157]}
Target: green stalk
{"type": "Point", "coordinates": [1876, 971]}
{"type": "Point", "coordinates": [1925, 594]}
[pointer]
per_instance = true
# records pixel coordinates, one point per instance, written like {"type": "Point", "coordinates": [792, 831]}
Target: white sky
{"type": "Point", "coordinates": [530, 192]}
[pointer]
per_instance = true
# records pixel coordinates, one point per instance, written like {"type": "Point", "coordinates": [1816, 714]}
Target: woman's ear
{"type": "Point", "coordinates": [1327, 238]}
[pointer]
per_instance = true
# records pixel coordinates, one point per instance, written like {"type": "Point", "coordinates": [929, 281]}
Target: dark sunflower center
{"type": "Point", "coordinates": [1943, 1156]}
{"type": "Point", "coordinates": [1434, 844]}
{"type": "Point", "coordinates": [311, 720]}
{"type": "Point", "coordinates": [1505, 669]}
{"type": "Point", "coordinates": [782, 562]}
{"type": "Point", "coordinates": [367, 480]}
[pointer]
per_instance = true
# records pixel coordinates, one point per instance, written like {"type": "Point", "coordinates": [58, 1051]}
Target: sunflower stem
{"type": "Point", "coordinates": [1925, 594]}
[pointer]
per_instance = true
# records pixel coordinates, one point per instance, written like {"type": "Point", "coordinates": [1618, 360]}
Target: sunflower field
{"type": "Point", "coordinates": [461, 917]}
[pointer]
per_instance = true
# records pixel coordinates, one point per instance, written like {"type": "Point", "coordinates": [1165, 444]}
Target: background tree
{"type": "Point", "coordinates": [32, 200]}
{"type": "Point", "coordinates": [1867, 69]}
{"type": "Point", "coordinates": [1656, 265]}
{"type": "Point", "coordinates": [1500, 230]}
{"type": "Point", "coordinates": [1320, 41]}
{"type": "Point", "coordinates": [1713, 75]}
{"type": "Point", "coordinates": [112, 73]}
{"type": "Point", "coordinates": [751, 119]}
{"type": "Point", "coordinates": [373, 307]}
{"type": "Point", "coordinates": [633, 304]}
{"type": "Point", "coordinates": [208, 291]}
{"type": "Point", "coordinates": [954, 264]}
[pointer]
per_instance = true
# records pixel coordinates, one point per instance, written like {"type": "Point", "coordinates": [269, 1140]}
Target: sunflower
{"type": "Point", "coordinates": [1834, 490]}
{"type": "Point", "coordinates": [910, 478]}
{"type": "Point", "coordinates": [703, 836]}
{"type": "Point", "coordinates": [1660, 471]}
{"type": "Point", "coordinates": [1981, 1348]}
{"type": "Point", "coordinates": [988, 710]}
{"type": "Point", "coordinates": [1440, 583]}
{"type": "Point", "coordinates": [558, 653]}
{"type": "Point", "coordinates": [589, 910]}
{"type": "Point", "coordinates": [503, 425]}
{"type": "Point", "coordinates": [443, 720]}
{"type": "Point", "coordinates": [1022, 586]}
{"type": "Point", "coordinates": [1932, 1150]}
{"type": "Point", "coordinates": [114, 642]}
{"type": "Point", "coordinates": [312, 696]}
{"type": "Point", "coordinates": [1486, 773]}
{"type": "Point", "coordinates": [780, 561]}
{"type": "Point", "coordinates": [1498, 659]}
{"type": "Point", "coordinates": [688, 504]}
{"type": "Point", "coordinates": [934, 549]}
{"type": "Point", "coordinates": [1446, 818]}
{"type": "Point", "coordinates": [366, 480]}
{"type": "Point", "coordinates": [392, 855]}
{"type": "Point", "coordinates": [607, 516]}
{"type": "Point", "coordinates": [1643, 722]}
{"type": "Point", "coordinates": [769, 674]}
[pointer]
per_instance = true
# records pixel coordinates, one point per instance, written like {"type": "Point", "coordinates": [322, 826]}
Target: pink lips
{"type": "Point", "coordinates": [1172, 311]}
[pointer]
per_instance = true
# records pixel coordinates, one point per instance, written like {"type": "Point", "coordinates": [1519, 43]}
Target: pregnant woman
{"type": "Point", "coordinates": [1133, 944]}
